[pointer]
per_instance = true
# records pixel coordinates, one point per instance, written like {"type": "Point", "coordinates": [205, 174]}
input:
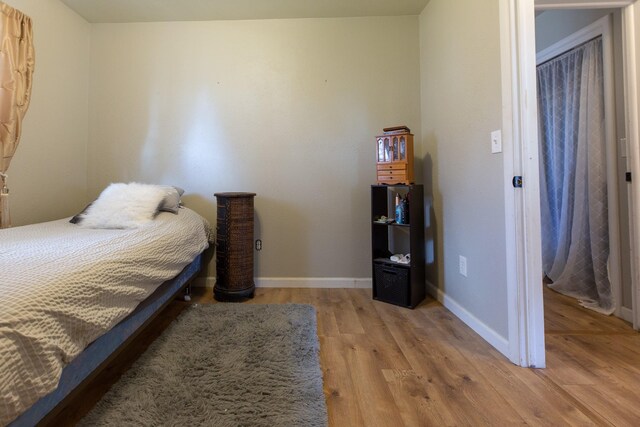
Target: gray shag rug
{"type": "Point", "coordinates": [224, 365]}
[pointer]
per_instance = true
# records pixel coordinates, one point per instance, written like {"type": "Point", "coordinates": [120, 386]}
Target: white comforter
{"type": "Point", "coordinates": [62, 286]}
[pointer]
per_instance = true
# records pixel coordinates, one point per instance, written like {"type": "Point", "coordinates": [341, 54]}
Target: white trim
{"type": "Point", "coordinates": [584, 4]}
{"type": "Point", "coordinates": [507, 65]}
{"type": "Point", "coordinates": [602, 27]}
{"type": "Point", "coordinates": [615, 264]}
{"type": "Point", "coordinates": [492, 337]}
{"type": "Point", "coordinates": [633, 143]}
{"type": "Point", "coordinates": [434, 292]}
{"type": "Point", "coordinates": [526, 322]}
{"type": "Point", "coordinates": [626, 314]}
{"type": "Point", "coordinates": [204, 282]}
{"type": "Point", "coordinates": [297, 282]}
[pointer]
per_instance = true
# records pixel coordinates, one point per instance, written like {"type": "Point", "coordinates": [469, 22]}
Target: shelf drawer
{"type": "Point", "coordinates": [392, 173]}
{"type": "Point", "coordinates": [391, 166]}
{"type": "Point", "coordinates": [395, 178]}
{"type": "Point", "coordinates": [392, 284]}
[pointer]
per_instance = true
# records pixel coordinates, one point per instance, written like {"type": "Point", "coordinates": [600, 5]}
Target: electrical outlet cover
{"type": "Point", "coordinates": [463, 266]}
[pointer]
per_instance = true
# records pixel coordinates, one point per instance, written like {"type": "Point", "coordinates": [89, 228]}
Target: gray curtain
{"type": "Point", "coordinates": [574, 211]}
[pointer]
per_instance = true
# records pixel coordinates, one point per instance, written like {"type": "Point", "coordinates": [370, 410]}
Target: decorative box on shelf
{"type": "Point", "coordinates": [394, 156]}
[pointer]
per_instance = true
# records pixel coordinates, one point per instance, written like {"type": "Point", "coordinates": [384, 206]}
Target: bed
{"type": "Point", "coordinates": [72, 296]}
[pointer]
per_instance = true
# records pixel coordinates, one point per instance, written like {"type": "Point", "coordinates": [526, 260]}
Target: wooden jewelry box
{"type": "Point", "coordinates": [394, 158]}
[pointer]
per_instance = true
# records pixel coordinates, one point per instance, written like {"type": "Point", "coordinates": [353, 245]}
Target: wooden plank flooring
{"type": "Point", "coordinates": [389, 366]}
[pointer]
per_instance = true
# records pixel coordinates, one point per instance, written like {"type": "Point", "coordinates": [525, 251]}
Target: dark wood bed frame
{"type": "Point", "coordinates": [104, 349]}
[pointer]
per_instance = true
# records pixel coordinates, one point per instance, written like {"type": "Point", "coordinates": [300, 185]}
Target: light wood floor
{"type": "Point", "coordinates": [389, 366]}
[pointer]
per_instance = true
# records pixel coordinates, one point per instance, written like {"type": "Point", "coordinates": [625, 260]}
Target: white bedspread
{"type": "Point", "coordinates": [61, 287]}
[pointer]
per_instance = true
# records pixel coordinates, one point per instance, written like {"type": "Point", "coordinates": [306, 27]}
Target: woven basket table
{"type": "Point", "coordinates": [234, 247]}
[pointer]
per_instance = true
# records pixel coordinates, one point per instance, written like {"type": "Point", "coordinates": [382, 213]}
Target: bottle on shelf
{"type": "Point", "coordinates": [401, 209]}
{"type": "Point", "coordinates": [405, 209]}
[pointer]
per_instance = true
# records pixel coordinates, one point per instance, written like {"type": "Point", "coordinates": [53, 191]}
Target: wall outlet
{"type": "Point", "coordinates": [463, 266]}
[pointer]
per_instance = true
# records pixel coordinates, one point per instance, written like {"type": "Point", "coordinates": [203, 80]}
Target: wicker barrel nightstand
{"type": "Point", "coordinates": [234, 247]}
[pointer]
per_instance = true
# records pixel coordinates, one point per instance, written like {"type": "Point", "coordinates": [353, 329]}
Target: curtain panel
{"type": "Point", "coordinates": [573, 178]}
{"type": "Point", "coordinates": [17, 60]}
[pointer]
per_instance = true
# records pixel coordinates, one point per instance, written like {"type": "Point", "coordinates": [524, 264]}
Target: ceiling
{"type": "Point", "coordinates": [96, 11]}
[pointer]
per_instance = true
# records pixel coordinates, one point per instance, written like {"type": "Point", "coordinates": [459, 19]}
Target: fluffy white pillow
{"type": "Point", "coordinates": [123, 206]}
{"type": "Point", "coordinates": [171, 201]}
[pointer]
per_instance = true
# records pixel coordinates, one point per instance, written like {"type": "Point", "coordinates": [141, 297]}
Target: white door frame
{"type": "Point", "coordinates": [520, 144]}
{"type": "Point", "coordinates": [630, 44]}
{"type": "Point", "coordinates": [522, 205]}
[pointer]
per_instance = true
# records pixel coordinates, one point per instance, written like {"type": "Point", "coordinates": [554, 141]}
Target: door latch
{"type": "Point", "coordinates": [517, 181]}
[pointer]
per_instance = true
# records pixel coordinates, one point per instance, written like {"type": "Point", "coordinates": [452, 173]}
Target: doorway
{"type": "Point", "coordinates": [584, 200]}
{"type": "Point", "coordinates": [520, 125]}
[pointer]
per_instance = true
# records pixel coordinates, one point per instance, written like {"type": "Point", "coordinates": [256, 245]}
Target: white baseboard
{"type": "Point", "coordinates": [626, 314]}
{"type": "Point", "coordinates": [492, 337]}
{"type": "Point", "coordinates": [297, 282]}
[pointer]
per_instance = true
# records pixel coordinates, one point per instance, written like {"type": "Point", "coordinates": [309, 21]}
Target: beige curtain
{"type": "Point", "coordinates": [16, 71]}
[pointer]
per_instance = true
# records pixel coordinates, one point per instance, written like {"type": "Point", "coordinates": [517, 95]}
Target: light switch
{"type": "Point", "coordinates": [496, 141]}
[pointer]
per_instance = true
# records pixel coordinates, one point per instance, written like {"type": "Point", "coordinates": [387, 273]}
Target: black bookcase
{"type": "Point", "coordinates": [395, 283]}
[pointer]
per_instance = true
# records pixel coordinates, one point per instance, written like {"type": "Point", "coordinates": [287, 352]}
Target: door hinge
{"type": "Point", "coordinates": [517, 181]}
{"type": "Point", "coordinates": [627, 176]}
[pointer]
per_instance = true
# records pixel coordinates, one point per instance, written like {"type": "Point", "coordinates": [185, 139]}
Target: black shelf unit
{"type": "Point", "coordinates": [395, 283]}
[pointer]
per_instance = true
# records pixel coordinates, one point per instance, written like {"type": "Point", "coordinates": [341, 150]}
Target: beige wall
{"type": "Point", "coordinates": [461, 105]}
{"type": "Point", "coordinates": [48, 174]}
{"type": "Point", "coordinates": [284, 108]}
